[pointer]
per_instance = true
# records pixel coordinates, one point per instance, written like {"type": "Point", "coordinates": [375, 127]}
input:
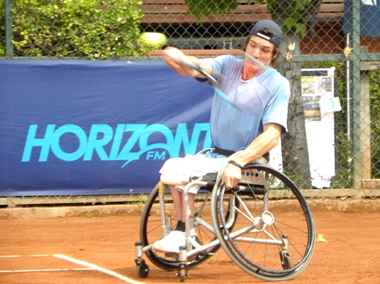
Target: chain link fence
{"type": "Point", "coordinates": [331, 55]}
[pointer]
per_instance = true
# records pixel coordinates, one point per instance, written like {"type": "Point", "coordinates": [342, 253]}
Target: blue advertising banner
{"type": "Point", "coordinates": [369, 17]}
{"type": "Point", "coordinates": [95, 127]}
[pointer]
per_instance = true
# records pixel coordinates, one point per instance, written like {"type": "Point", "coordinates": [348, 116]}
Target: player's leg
{"type": "Point", "coordinates": [156, 222]}
{"type": "Point", "coordinates": [177, 237]}
{"type": "Point", "coordinates": [177, 201]}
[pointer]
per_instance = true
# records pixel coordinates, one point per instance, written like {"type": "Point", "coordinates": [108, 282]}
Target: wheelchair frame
{"type": "Point", "coordinates": [264, 225]}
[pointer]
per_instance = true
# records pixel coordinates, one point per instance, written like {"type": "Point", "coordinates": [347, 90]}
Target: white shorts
{"type": "Point", "coordinates": [177, 171]}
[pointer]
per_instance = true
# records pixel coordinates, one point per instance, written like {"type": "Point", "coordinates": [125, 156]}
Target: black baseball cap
{"type": "Point", "coordinates": [277, 33]}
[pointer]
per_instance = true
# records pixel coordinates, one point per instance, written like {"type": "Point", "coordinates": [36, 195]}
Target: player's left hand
{"type": "Point", "coordinates": [231, 176]}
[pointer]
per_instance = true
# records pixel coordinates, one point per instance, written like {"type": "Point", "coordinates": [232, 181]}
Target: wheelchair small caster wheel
{"type": "Point", "coordinates": [285, 259]}
{"type": "Point", "coordinates": [182, 272]}
{"type": "Point", "coordinates": [182, 276]}
{"type": "Point", "coordinates": [143, 269]}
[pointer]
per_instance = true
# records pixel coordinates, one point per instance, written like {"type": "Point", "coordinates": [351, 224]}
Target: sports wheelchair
{"type": "Point", "coordinates": [264, 225]}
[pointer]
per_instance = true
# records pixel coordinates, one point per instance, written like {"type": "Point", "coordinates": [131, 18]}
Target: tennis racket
{"type": "Point", "coordinates": [260, 66]}
{"type": "Point", "coordinates": [213, 82]}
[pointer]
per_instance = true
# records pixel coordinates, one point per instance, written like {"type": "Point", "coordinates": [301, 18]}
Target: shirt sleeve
{"type": "Point", "coordinates": [276, 110]}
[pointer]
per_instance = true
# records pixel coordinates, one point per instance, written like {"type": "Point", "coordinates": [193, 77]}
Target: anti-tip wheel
{"type": "Point", "coordinates": [143, 270]}
{"type": "Point", "coordinates": [285, 259]}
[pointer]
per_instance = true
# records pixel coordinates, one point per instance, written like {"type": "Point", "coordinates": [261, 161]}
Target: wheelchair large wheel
{"type": "Point", "coordinates": [273, 238]}
{"type": "Point", "coordinates": [152, 227]}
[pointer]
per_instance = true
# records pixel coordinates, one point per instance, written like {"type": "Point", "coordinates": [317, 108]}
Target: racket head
{"type": "Point", "coordinates": [213, 82]}
{"type": "Point", "coordinates": [208, 76]}
{"type": "Point", "coordinates": [210, 79]}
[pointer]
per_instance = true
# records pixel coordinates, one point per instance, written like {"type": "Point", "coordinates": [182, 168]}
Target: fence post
{"type": "Point", "coordinates": [365, 121]}
{"type": "Point", "coordinates": [356, 118]}
{"type": "Point", "coordinates": [8, 29]}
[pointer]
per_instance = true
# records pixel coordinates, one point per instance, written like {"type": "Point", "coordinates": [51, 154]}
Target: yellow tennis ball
{"type": "Point", "coordinates": [154, 40]}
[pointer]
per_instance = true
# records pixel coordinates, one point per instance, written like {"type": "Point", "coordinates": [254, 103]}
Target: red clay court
{"type": "Point", "coordinates": [96, 245]}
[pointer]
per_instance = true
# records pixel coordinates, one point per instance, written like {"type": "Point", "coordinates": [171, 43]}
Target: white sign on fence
{"type": "Point", "coordinates": [320, 105]}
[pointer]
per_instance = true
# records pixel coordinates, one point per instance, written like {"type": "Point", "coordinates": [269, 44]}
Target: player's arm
{"type": "Point", "coordinates": [174, 57]}
{"type": "Point", "coordinates": [265, 142]}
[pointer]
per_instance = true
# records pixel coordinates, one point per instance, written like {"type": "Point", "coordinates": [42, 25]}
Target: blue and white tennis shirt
{"type": "Point", "coordinates": [265, 98]}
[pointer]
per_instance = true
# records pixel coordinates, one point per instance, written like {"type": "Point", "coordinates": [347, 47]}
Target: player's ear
{"type": "Point", "coordinates": [276, 52]}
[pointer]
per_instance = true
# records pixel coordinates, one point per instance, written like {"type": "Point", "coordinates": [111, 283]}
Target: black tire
{"type": "Point", "coordinates": [143, 270]}
{"type": "Point", "coordinates": [271, 196]}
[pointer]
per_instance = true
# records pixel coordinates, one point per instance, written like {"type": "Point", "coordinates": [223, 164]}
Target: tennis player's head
{"type": "Point", "coordinates": [266, 31]}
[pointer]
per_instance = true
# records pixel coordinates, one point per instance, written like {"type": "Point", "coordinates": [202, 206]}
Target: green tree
{"type": "Point", "coordinates": [2, 28]}
{"type": "Point", "coordinates": [76, 28]}
{"type": "Point", "coordinates": [375, 122]}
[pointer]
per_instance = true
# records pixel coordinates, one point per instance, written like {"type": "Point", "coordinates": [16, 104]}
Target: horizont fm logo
{"type": "Point", "coordinates": [125, 142]}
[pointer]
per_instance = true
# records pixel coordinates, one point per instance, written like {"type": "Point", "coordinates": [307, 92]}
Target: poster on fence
{"type": "Point", "coordinates": [320, 106]}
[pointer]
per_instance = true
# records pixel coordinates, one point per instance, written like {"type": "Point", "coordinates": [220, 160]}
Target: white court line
{"type": "Point", "coordinates": [88, 266]}
{"type": "Point", "coordinates": [19, 255]}
{"type": "Point", "coordinates": [99, 268]}
{"type": "Point", "coordinates": [44, 270]}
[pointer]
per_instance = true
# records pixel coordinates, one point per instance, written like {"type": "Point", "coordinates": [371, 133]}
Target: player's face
{"type": "Point", "coordinates": [260, 49]}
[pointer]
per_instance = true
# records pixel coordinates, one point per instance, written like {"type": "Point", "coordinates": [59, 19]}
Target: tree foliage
{"type": "Point", "coordinates": [294, 10]}
{"type": "Point", "coordinates": [76, 28]}
{"type": "Point", "coordinates": [200, 8]}
{"type": "Point", "coordinates": [375, 122]}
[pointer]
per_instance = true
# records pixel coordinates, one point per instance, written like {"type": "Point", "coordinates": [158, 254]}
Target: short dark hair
{"type": "Point", "coordinates": [276, 51]}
